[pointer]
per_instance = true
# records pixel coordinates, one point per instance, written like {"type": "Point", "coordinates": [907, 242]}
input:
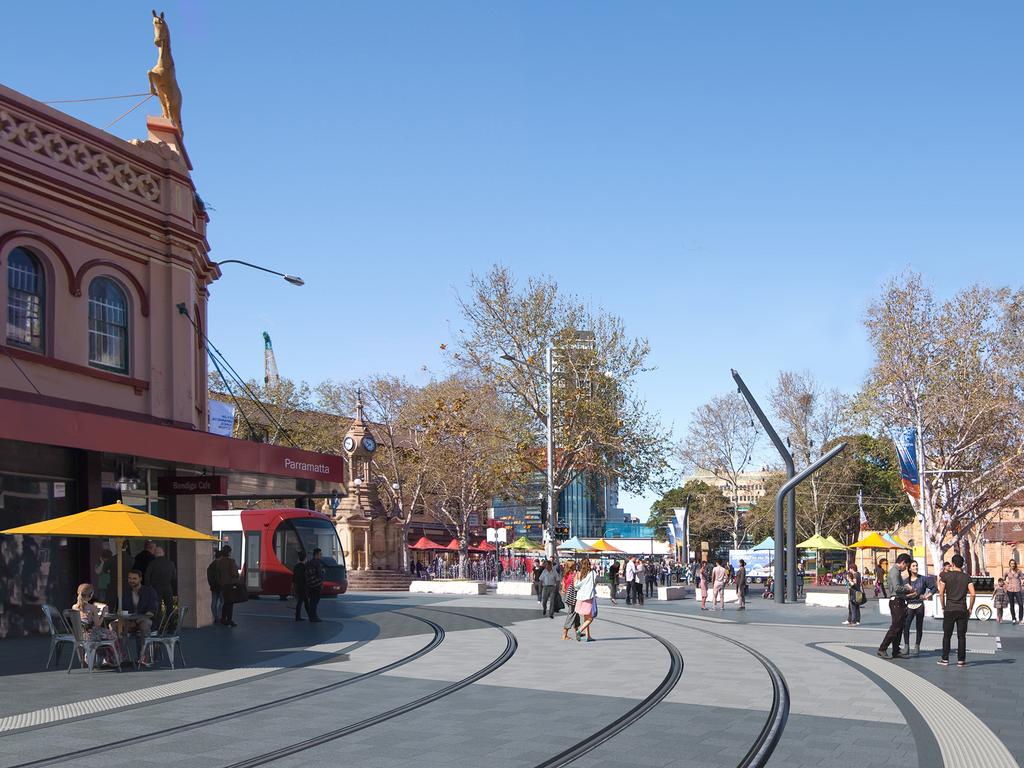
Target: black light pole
{"type": "Point", "coordinates": [787, 458]}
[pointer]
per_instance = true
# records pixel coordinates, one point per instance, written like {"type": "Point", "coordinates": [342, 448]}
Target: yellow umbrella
{"type": "Point", "coordinates": [117, 521]}
{"type": "Point", "coordinates": [603, 546]}
{"type": "Point", "coordinates": [873, 540]}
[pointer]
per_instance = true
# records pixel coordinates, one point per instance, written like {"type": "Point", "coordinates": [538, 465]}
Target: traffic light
{"type": "Point", "coordinates": [544, 511]}
{"type": "Point", "coordinates": [562, 532]}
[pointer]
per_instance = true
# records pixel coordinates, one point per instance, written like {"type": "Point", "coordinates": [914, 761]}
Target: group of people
{"type": "Point", "coordinates": [141, 608]}
{"type": "Point", "coordinates": [573, 587]}
{"type": "Point", "coordinates": [717, 579]}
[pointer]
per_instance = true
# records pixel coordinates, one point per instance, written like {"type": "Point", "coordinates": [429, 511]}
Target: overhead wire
{"type": "Point", "coordinates": [214, 354]}
{"type": "Point", "coordinates": [95, 98]}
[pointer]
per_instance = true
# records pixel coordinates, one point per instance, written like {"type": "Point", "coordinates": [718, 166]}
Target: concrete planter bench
{"type": "Point", "coordinates": [445, 587]}
{"type": "Point", "coordinates": [828, 599]}
{"type": "Point", "coordinates": [515, 588]}
{"type": "Point", "coordinates": [674, 593]}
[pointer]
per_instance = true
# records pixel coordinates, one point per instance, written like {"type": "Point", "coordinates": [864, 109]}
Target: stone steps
{"type": "Point", "coordinates": [378, 581]}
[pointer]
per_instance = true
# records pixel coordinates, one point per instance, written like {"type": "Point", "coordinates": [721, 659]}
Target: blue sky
{"type": "Point", "coordinates": [736, 180]}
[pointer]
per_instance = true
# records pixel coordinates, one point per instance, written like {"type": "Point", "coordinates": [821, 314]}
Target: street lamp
{"type": "Point", "coordinates": [294, 280]}
{"type": "Point", "coordinates": [548, 375]}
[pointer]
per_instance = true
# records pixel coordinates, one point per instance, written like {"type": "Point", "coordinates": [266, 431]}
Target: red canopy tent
{"type": "Point", "coordinates": [483, 546]}
{"type": "Point", "coordinates": [424, 543]}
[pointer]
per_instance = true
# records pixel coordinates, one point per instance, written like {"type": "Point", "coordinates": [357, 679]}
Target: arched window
{"type": "Point", "coordinates": [108, 326]}
{"type": "Point", "coordinates": [25, 300]}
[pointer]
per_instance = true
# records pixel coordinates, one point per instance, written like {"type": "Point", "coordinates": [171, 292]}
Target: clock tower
{"type": "Point", "coordinates": [371, 541]}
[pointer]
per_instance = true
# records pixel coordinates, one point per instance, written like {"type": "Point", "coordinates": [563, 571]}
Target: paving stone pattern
{"type": "Point", "coordinates": [551, 694]}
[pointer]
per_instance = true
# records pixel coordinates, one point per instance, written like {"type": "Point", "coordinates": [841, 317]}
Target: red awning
{"type": "Point", "coordinates": [425, 543]}
{"type": "Point", "coordinates": [483, 546]}
{"type": "Point", "coordinates": [71, 428]}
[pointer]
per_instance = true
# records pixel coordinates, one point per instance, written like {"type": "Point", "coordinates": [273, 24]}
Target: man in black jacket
{"type": "Point", "coordinates": [899, 590]}
{"type": "Point", "coordinates": [299, 587]}
{"type": "Point", "coordinates": [315, 573]}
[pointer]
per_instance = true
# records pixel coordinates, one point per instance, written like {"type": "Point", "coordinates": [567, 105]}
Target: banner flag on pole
{"type": "Point", "coordinates": [860, 505]}
{"type": "Point", "coordinates": [906, 447]}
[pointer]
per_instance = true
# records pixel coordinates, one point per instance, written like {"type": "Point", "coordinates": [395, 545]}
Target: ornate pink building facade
{"type": "Point", "coordinates": [105, 277]}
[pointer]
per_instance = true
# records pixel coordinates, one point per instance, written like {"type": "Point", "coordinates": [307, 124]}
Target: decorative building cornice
{"type": "Point", "coordinates": [113, 169]}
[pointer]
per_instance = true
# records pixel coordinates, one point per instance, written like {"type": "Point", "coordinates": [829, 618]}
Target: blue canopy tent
{"type": "Point", "coordinates": [767, 544]}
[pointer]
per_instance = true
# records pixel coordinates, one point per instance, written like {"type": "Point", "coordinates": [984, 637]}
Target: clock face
{"type": "Point", "coordinates": [369, 444]}
{"type": "Point", "coordinates": [349, 443]}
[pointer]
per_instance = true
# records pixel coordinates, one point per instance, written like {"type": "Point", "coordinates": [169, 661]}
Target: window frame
{"type": "Point", "coordinates": [41, 278]}
{"type": "Point", "coordinates": [127, 341]}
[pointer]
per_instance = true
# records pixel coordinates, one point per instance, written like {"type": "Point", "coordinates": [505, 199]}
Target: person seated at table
{"type": "Point", "coordinates": [142, 603]}
{"type": "Point", "coordinates": [92, 615]}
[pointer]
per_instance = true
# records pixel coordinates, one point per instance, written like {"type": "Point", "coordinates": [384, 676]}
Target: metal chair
{"type": "Point", "coordinates": [85, 648]}
{"type": "Point", "coordinates": [59, 633]}
{"type": "Point", "coordinates": [167, 637]}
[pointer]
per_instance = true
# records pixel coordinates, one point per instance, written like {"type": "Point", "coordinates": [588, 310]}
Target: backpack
{"type": "Point", "coordinates": [314, 574]}
{"type": "Point", "coordinates": [212, 577]}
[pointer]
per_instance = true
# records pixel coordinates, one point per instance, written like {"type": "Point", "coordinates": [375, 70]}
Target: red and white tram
{"type": "Point", "coordinates": [266, 544]}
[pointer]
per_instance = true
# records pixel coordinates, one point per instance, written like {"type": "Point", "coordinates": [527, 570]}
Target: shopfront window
{"type": "Point", "coordinates": [34, 570]}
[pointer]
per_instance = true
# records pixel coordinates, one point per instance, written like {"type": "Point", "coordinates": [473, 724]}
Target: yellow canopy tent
{"type": "Point", "coordinates": [115, 521]}
{"type": "Point", "coordinates": [603, 546]}
{"type": "Point", "coordinates": [873, 540]}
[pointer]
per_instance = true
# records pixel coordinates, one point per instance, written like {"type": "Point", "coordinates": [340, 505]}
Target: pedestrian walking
{"type": "Point", "coordinates": [641, 577]}
{"type": "Point", "coordinates": [741, 586]}
{"type": "Point", "coordinates": [954, 588]}
{"type": "Point", "coordinates": [630, 579]}
{"type": "Point", "coordinates": [537, 568]}
{"type": "Point", "coordinates": [719, 575]}
{"type": "Point", "coordinates": [213, 579]}
{"type": "Point", "coordinates": [161, 576]}
{"type": "Point", "coordinates": [299, 587]}
{"type": "Point", "coordinates": [915, 608]}
{"type": "Point", "coordinates": [704, 576]}
{"type": "Point", "coordinates": [651, 578]}
{"type": "Point", "coordinates": [881, 570]}
{"type": "Point", "coordinates": [899, 592]}
{"type": "Point", "coordinates": [1014, 579]}
{"type": "Point", "coordinates": [572, 621]}
{"type": "Point", "coordinates": [586, 600]}
{"type": "Point", "coordinates": [548, 582]}
{"type": "Point", "coordinates": [613, 579]}
{"type": "Point", "coordinates": [316, 572]}
{"type": "Point", "coordinates": [856, 596]}
{"type": "Point", "coordinates": [1000, 600]}
{"type": "Point", "coordinates": [229, 584]}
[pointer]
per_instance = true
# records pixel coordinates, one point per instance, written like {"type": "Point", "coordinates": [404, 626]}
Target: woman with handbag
{"type": "Point", "coordinates": [586, 600]}
{"type": "Point", "coordinates": [856, 597]}
{"type": "Point", "coordinates": [572, 621]}
{"type": "Point", "coordinates": [915, 608]}
{"type": "Point", "coordinates": [230, 586]}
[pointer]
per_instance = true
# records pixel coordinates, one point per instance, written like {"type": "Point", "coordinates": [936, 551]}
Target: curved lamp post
{"type": "Point", "coordinates": [294, 280]}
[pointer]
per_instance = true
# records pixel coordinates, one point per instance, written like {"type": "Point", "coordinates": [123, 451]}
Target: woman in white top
{"type": "Point", "coordinates": [586, 599]}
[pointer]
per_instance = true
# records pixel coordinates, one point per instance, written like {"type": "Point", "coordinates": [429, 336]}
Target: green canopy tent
{"type": "Point", "coordinates": [817, 542]}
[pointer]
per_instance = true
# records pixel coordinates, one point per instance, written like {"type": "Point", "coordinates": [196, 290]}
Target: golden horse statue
{"type": "Point", "coordinates": [162, 82]}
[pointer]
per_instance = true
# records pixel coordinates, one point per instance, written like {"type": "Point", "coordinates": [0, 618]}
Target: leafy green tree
{"type": "Point", "coordinates": [709, 513]}
{"type": "Point", "coordinates": [868, 465]}
{"type": "Point", "coordinates": [601, 424]}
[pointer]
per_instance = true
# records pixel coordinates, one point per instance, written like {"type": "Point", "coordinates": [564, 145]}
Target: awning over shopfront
{"type": "Point", "coordinates": [50, 425]}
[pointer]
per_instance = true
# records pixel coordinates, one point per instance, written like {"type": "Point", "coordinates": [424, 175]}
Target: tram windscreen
{"type": "Point", "coordinates": [304, 535]}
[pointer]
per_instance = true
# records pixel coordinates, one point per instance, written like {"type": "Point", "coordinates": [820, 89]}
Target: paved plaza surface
{"type": "Point", "coordinates": [401, 680]}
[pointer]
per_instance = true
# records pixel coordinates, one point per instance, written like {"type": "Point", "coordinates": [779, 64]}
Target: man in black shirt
{"type": "Point", "coordinates": [954, 587]}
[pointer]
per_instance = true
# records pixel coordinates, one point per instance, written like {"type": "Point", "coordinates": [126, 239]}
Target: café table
{"type": "Point", "coordinates": [118, 623]}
